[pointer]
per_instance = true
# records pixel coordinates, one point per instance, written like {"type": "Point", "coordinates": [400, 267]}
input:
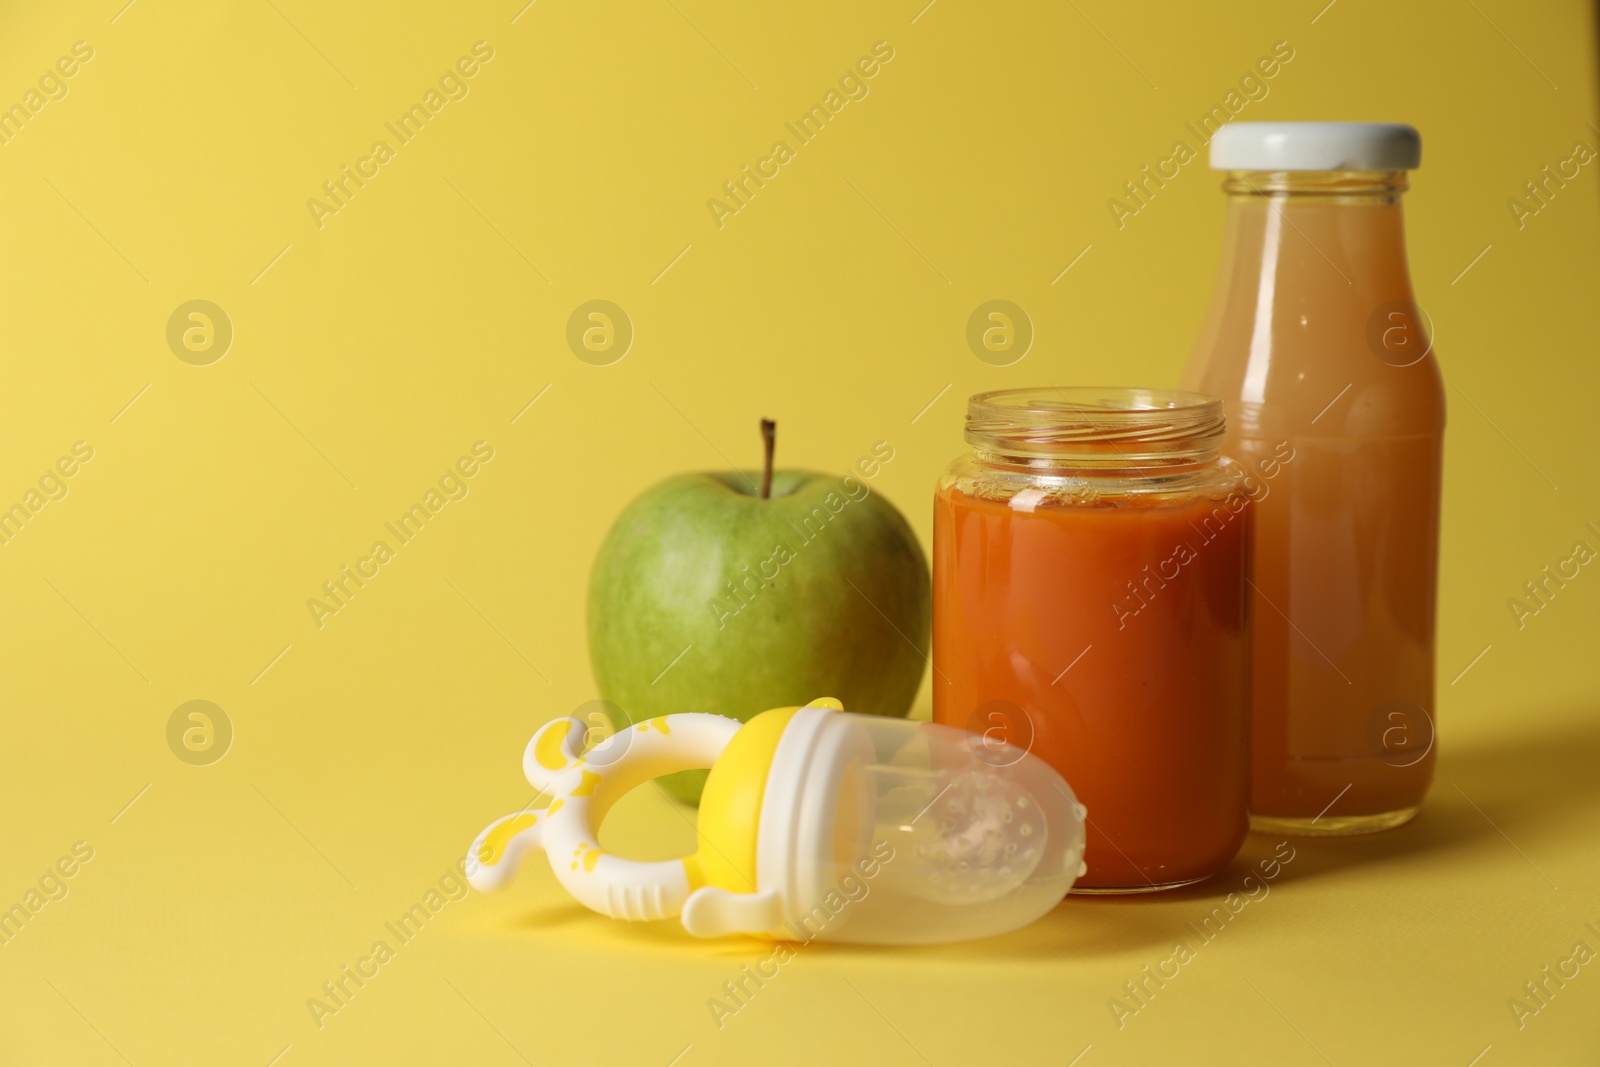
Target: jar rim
{"type": "Point", "coordinates": [1110, 425]}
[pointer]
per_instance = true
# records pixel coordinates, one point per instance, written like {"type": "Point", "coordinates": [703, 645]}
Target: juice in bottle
{"type": "Point", "coordinates": [1315, 344]}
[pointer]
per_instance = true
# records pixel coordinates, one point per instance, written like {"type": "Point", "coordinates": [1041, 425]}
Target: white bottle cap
{"type": "Point", "coordinates": [1316, 146]}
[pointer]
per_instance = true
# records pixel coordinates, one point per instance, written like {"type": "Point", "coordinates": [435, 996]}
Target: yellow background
{"type": "Point", "coordinates": [432, 309]}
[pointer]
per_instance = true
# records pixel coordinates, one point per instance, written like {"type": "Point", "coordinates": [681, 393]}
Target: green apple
{"type": "Point", "coordinates": [708, 596]}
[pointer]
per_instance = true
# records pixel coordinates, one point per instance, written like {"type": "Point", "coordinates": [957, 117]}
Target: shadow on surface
{"type": "Point", "coordinates": [1543, 778]}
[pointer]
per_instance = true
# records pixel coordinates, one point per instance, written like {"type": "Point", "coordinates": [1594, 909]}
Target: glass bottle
{"type": "Point", "coordinates": [1334, 401]}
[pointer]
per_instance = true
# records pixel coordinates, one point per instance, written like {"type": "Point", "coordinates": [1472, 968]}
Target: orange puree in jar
{"type": "Point", "coordinates": [1090, 606]}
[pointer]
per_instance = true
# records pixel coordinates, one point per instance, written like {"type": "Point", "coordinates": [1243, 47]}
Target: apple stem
{"type": "Point", "coordinates": [769, 437]}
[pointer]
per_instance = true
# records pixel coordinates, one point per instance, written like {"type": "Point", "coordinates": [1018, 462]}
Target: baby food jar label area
{"type": "Point", "coordinates": [1160, 617]}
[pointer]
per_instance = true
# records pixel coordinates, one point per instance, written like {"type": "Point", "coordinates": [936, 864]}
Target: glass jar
{"type": "Point", "coordinates": [1089, 581]}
